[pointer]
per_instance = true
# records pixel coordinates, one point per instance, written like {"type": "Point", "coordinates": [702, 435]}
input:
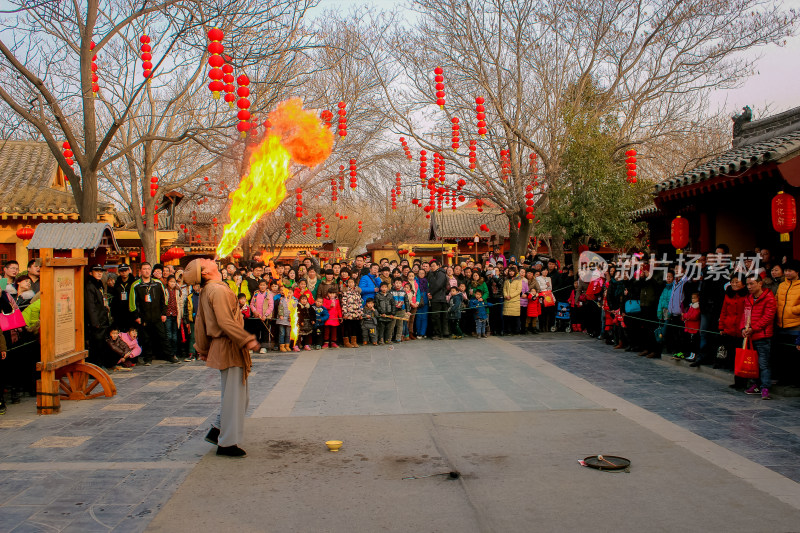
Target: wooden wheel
{"type": "Point", "coordinates": [78, 381]}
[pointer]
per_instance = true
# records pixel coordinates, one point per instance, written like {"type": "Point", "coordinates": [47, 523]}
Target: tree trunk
{"type": "Point", "coordinates": [87, 207]}
{"type": "Point", "coordinates": [519, 237]}
{"type": "Point", "coordinates": [150, 244]}
{"type": "Point", "coordinates": [557, 249]}
{"type": "Point", "coordinates": [575, 243]}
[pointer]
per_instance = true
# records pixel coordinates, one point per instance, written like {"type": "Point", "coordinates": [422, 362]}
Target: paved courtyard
{"type": "Point", "coordinates": [408, 410]}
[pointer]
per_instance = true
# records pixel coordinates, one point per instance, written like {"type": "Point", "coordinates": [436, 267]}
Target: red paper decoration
{"type": "Point", "coordinates": [228, 87]}
{"type": "Point", "coordinates": [784, 214]}
{"type": "Point", "coordinates": [95, 79]}
{"type": "Point", "coordinates": [679, 233]}
{"type": "Point", "coordinates": [25, 233]}
{"type": "Point", "coordinates": [342, 119]}
{"type": "Point", "coordinates": [353, 174]}
{"type": "Point", "coordinates": [327, 118]}
{"type": "Point", "coordinates": [406, 149]}
{"type": "Point", "coordinates": [456, 134]}
{"type": "Point", "coordinates": [473, 156]}
{"type": "Point", "coordinates": [480, 116]}
{"type": "Point", "coordinates": [243, 104]}
{"type": "Point", "coordinates": [215, 60]}
{"type": "Point", "coordinates": [439, 79]}
{"type": "Point", "coordinates": [630, 162]}
{"type": "Point", "coordinates": [298, 206]}
{"type": "Point", "coordinates": [505, 165]}
{"type": "Point", "coordinates": [146, 57]}
{"type": "Point", "coordinates": [68, 153]}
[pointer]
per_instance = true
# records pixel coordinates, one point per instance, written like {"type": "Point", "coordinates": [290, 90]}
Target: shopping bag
{"type": "Point", "coordinates": [13, 319]}
{"type": "Point", "coordinates": [632, 306]}
{"type": "Point", "coordinates": [746, 362]}
{"type": "Point", "coordinates": [547, 298]}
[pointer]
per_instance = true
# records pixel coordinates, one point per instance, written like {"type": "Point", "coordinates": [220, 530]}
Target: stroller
{"type": "Point", "coordinates": [562, 318]}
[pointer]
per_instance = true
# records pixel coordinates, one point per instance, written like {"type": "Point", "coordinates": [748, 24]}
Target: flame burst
{"type": "Point", "coordinates": [296, 135]}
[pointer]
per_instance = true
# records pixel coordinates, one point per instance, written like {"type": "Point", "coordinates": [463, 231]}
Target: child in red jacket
{"type": "Point", "coordinates": [691, 331]}
{"type": "Point", "coordinates": [331, 303]}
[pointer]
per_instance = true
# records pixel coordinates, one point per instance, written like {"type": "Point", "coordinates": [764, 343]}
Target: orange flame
{"type": "Point", "coordinates": [296, 135]}
{"type": "Point", "coordinates": [294, 333]}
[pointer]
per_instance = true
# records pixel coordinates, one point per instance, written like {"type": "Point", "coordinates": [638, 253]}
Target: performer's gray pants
{"type": "Point", "coordinates": [235, 398]}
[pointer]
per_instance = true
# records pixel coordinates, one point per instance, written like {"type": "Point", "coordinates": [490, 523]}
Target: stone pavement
{"type": "Point", "coordinates": [766, 432]}
{"type": "Point", "coordinates": [111, 465]}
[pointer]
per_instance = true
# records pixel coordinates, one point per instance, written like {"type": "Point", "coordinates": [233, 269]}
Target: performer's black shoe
{"type": "Point", "coordinates": [231, 451]}
{"type": "Point", "coordinates": [213, 435]}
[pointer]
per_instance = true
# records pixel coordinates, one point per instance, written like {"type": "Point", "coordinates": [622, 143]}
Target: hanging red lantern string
{"type": "Point", "coordinates": [439, 79]}
{"type": "Point", "coordinates": [318, 223]}
{"type": "Point", "coordinates": [534, 169]}
{"type": "Point", "coordinates": [305, 228]}
{"type": "Point", "coordinates": [334, 190]}
{"type": "Point", "coordinates": [353, 174]}
{"type": "Point", "coordinates": [630, 162]}
{"type": "Point", "coordinates": [473, 155]}
{"type": "Point", "coordinates": [298, 205]}
{"type": "Point", "coordinates": [406, 149]}
{"type": "Point", "coordinates": [288, 230]}
{"type": "Point", "coordinates": [229, 87]}
{"type": "Point", "coordinates": [359, 226]}
{"type": "Point", "coordinates": [68, 154]}
{"type": "Point", "coordinates": [342, 119]}
{"type": "Point", "coordinates": [327, 118]}
{"type": "Point", "coordinates": [435, 166]}
{"type": "Point", "coordinates": [505, 164]}
{"type": "Point", "coordinates": [442, 169]}
{"type": "Point", "coordinates": [480, 116]}
{"type": "Point", "coordinates": [394, 199]}
{"type": "Point", "coordinates": [479, 205]}
{"type": "Point", "coordinates": [784, 215]}
{"type": "Point", "coordinates": [327, 231]}
{"type": "Point", "coordinates": [397, 182]}
{"type": "Point", "coordinates": [243, 104]}
{"type": "Point", "coordinates": [423, 167]}
{"type": "Point", "coordinates": [529, 202]}
{"type": "Point", "coordinates": [146, 57]}
{"type": "Point", "coordinates": [95, 79]}
{"type": "Point", "coordinates": [153, 186]}
{"type": "Point", "coordinates": [456, 134]}
{"type": "Point", "coordinates": [215, 61]}
{"type": "Point", "coordinates": [341, 177]}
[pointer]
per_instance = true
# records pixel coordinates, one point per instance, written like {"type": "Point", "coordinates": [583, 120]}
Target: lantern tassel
{"type": "Point", "coordinates": [784, 237]}
{"type": "Point", "coordinates": [678, 251]}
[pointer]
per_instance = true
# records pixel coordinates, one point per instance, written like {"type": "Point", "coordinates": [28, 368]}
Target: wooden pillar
{"type": "Point", "coordinates": [704, 237]}
{"type": "Point", "coordinates": [47, 395]}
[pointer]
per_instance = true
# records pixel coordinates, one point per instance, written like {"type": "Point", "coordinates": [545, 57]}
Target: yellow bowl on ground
{"type": "Point", "coordinates": [333, 445]}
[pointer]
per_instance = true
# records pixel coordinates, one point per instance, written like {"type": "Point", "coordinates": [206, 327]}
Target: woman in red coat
{"type": "Point", "coordinates": [729, 320]}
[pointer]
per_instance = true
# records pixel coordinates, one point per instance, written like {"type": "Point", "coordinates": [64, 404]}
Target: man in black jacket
{"type": "Point", "coordinates": [95, 313]}
{"type": "Point", "coordinates": [120, 293]}
{"type": "Point", "coordinates": [437, 294]}
{"type": "Point", "coordinates": [149, 308]}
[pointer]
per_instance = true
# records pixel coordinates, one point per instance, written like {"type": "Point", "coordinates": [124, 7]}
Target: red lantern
{"type": "Point", "coordinates": [133, 254]}
{"type": "Point", "coordinates": [342, 119]}
{"type": "Point", "coordinates": [480, 115]}
{"type": "Point", "coordinates": [784, 214]}
{"type": "Point", "coordinates": [25, 233]}
{"type": "Point", "coordinates": [215, 60]}
{"type": "Point", "coordinates": [485, 228]}
{"type": "Point", "coordinates": [176, 253]}
{"type": "Point", "coordinates": [679, 233]}
{"type": "Point", "coordinates": [456, 134]}
{"type": "Point", "coordinates": [439, 79]}
{"type": "Point", "coordinates": [95, 85]}
{"type": "Point", "coordinates": [236, 254]}
{"type": "Point", "coordinates": [146, 57]}
{"type": "Point", "coordinates": [473, 157]}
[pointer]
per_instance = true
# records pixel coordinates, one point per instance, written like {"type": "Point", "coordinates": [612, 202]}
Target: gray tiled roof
{"type": "Point", "coordinates": [72, 235]}
{"type": "Point", "coordinates": [27, 171]}
{"type": "Point", "coordinates": [737, 160]}
{"type": "Point", "coordinates": [464, 223]}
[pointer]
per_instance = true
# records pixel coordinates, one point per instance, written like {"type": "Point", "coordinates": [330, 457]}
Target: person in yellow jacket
{"type": "Point", "coordinates": [238, 286]}
{"type": "Point", "coordinates": [787, 322]}
{"type": "Point", "coordinates": [512, 289]}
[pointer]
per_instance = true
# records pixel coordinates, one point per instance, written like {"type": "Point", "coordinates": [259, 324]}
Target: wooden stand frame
{"type": "Point", "coordinates": [65, 374]}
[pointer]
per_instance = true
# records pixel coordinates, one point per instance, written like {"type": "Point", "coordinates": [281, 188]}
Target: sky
{"type": "Point", "coordinates": [774, 87]}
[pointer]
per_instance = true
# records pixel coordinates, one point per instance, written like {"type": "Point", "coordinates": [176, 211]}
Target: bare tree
{"type": "Point", "coordinates": [532, 61]}
{"type": "Point", "coordinates": [130, 124]}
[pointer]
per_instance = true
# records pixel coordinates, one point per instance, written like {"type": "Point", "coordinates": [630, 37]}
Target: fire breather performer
{"type": "Point", "coordinates": [222, 342]}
